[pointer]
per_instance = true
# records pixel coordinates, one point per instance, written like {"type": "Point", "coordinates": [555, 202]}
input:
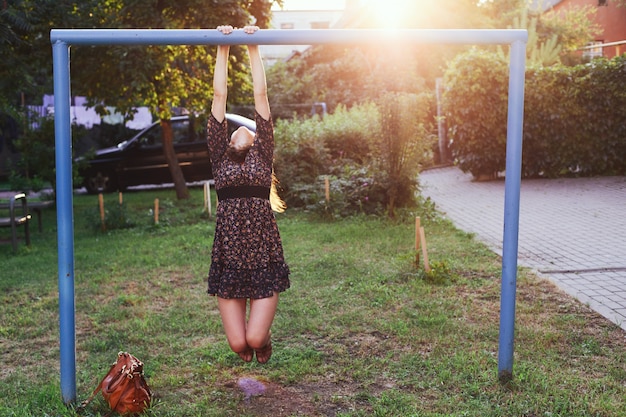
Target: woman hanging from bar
{"type": "Point", "coordinates": [247, 261]}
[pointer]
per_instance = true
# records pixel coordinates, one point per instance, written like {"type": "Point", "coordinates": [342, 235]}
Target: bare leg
{"type": "Point", "coordinates": [233, 312]}
{"type": "Point", "coordinates": [262, 312]}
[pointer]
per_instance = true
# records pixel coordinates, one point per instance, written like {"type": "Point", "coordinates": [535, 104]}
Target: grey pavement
{"type": "Point", "coordinates": [572, 231]}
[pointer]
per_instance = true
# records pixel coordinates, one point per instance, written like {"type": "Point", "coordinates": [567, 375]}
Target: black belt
{"type": "Point", "coordinates": [243, 191]}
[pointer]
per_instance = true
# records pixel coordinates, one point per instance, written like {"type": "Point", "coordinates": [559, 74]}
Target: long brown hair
{"type": "Point", "coordinates": [277, 203]}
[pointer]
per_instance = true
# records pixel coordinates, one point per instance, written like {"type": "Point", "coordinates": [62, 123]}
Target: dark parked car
{"type": "Point", "coordinates": [140, 160]}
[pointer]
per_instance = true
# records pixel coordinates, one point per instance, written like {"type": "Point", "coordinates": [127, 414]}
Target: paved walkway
{"type": "Point", "coordinates": [572, 231]}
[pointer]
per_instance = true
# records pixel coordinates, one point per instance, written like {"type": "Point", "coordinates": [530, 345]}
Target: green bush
{"type": "Point", "coordinates": [116, 216]}
{"type": "Point", "coordinates": [370, 154]}
{"type": "Point", "coordinates": [574, 120]}
{"type": "Point", "coordinates": [404, 142]}
{"type": "Point", "coordinates": [549, 127]}
{"type": "Point", "coordinates": [301, 156]}
{"type": "Point", "coordinates": [309, 149]}
{"type": "Point", "coordinates": [574, 123]}
{"type": "Point", "coordinates": [354, 190]}
{"type": "Point", "coordinates": [36, 166]}
{"type": "Point", "coordinates": [602, 97]}
{"type": "Point", "coordinates": [475, 103]}
{"type": "Point", "coordinates": [18, 182]}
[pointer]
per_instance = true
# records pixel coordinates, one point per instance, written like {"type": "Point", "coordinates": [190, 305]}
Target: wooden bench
{"type": "Point", "coordinates": [17, 218]}
{"type": "Point", "coordinates": [35, 206]}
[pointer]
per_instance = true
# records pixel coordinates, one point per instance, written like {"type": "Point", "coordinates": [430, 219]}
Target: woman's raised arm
{"type": "Point", "coordinates": [220, 78]}
{"type": "Point", "coordinates": [261, 102]}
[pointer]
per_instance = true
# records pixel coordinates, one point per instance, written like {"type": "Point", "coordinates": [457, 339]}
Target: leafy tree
{"type": "Point", "coordinates": [539, 52]}
{"type": "Point", "coordinates": [164, 77]}
{"type": "Point", "coordinates": [403, 141]}
{"type": "Point", "coordinates": [13, 23]}
{"type": "Point", "coordinates": [500, 13]}
{"type": "Point", "coordinates": [573, 28]}
{"type": "Point", "coordinates": [348, 76]}
{"type": "Point", "coordinates": [26, 74]}
{"type": "Point", "coordinates": [552, 36]}
{"type": "Point", "coordinates": [26, 65]}
{"type": "Point", "coordinates": [355, 74]}
{"type": "Point", "coordinates": [124, 77]}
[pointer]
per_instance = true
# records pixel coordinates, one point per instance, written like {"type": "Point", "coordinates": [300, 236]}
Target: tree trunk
{"type": "Point", "coordinates": [180, 185]}
{"type": "Point", "coordinates": [391, 208]}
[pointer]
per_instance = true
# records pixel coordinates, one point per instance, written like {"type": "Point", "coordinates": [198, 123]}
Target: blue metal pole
{"type": "Point", "coordinates": [283, 37]}
{"type": "Point", "coordinates": [65, 219]}
{"type": "Point", "coordinates": [512, 187]}
{"type": "Point", "coordinates": [62, 38]}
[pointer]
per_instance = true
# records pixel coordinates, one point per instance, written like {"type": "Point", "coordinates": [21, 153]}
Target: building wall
{"type": "Point", "coordinates": [609, 16]}
{"type": "Point", "coordinates": [297, 19]}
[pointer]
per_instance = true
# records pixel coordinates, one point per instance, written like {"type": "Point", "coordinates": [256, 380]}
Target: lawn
{"type": "Point", "coordinates": [361, 332]}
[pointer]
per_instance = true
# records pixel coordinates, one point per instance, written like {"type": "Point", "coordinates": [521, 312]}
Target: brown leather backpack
{"type": "Point", "coordinates": [124, 387]}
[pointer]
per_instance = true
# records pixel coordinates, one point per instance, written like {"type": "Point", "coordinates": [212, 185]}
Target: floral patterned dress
{"type": "Point", "coordinates": [247, 259]}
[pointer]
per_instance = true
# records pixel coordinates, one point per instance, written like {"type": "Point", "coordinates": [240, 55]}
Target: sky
{"type": "Point", "coordinates": [312, 5]}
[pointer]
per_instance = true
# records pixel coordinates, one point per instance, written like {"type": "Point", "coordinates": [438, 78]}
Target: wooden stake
{"type": "Point", "coordinates": [327, 189]}
{"type": "Point", "coordinates": [424, 251]}
{"type": "Point", "coordinates": [101, 205]}
{"type": "Point", "coordinates": [156, 211]}
{"type": "Point", "coordinates": [207, 197]}
{"type": "Point", "coordinates": [121, 198]}
{"type": "Point", "coordinates": [417, 241]}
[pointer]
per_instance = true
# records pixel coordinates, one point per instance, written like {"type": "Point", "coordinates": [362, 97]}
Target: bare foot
{"type": "Point", "coordinates": [246, 355]}
{"type": "Point", "coordinates": [265, 353]}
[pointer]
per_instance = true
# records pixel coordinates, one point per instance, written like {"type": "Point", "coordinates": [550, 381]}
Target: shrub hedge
{"type": "Point", "coordinates": [336, 147]}
{"type": "Point", "coordinates": [369, 154]}
{"type": "Point", "coordinates": [574, 118]}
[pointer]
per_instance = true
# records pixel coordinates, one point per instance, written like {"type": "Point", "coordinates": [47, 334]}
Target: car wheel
{"type": "Point", "coordinates": [100, 183]}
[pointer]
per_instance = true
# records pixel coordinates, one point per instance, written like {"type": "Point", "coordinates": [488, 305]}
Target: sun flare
{"type": "Point", "coordinates": [391, 14]}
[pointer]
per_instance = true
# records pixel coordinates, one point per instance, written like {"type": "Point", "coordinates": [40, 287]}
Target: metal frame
{"type": "Point", "coordinates": [62, 39]}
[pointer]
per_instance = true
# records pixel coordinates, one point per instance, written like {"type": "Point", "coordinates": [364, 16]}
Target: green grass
{"type": "Point", "coordinates": [362, 332]}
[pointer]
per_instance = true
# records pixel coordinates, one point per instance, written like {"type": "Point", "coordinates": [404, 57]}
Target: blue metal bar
{"type": "Point", "coordinates": [62, 38]}
{"type": "Point", "coordinates": [65, 219]}
{"type": "Point", "coordinates": [512, 186]}
{"type": "Point", "coordinates": [285, 37]}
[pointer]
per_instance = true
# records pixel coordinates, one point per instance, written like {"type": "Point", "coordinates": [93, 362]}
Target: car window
{"type": "Point", "coordinates": [151, 138]}
{"type": "Point", "coordinates": [180, 129]}
{"type": "Point", "coordinates": [154, 136]}
{"type": "Point", "coordinates": [194, 130]}
{"type": "Point", "coordinates": [184, 131]}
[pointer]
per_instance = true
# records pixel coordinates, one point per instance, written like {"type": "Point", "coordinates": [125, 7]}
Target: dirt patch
{"type": "Point", "coordinates": [327, 395]}
{"type": "Point", "coordinates": [319, 399]}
